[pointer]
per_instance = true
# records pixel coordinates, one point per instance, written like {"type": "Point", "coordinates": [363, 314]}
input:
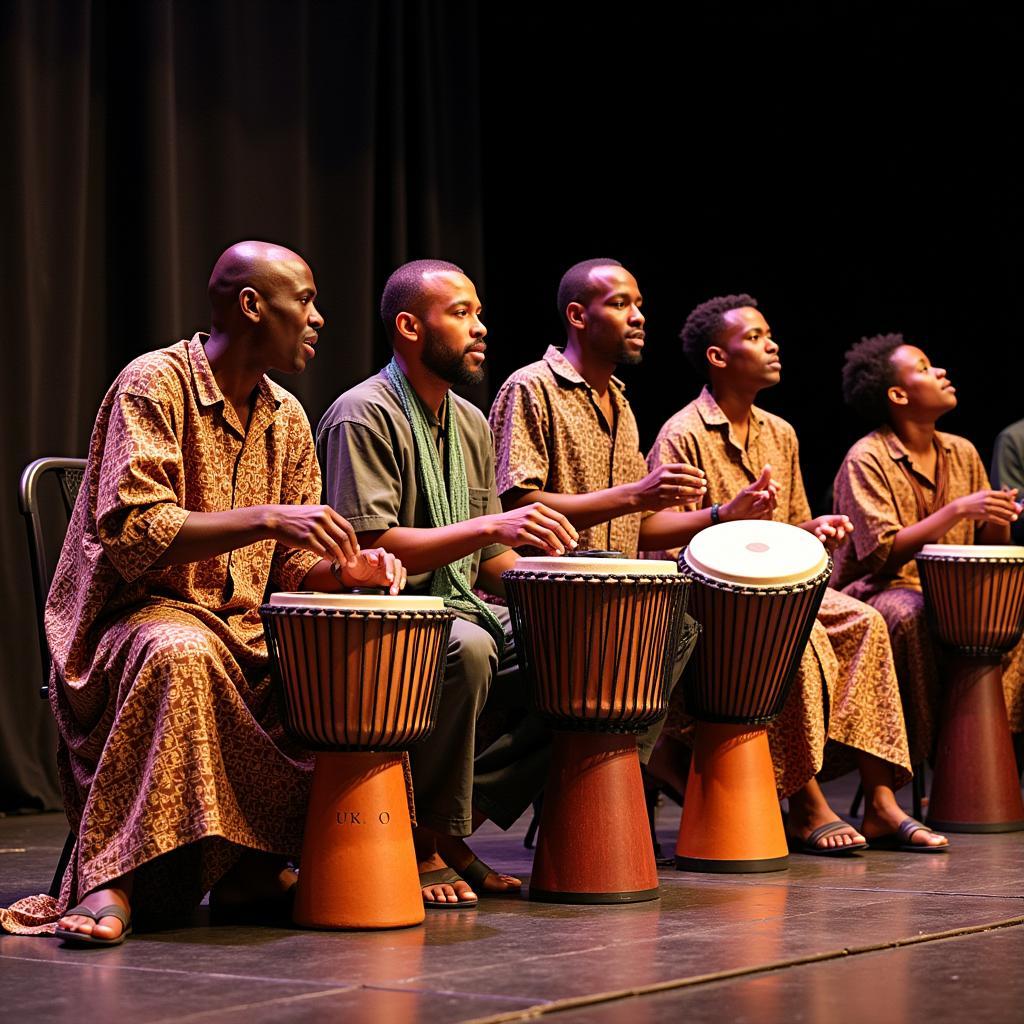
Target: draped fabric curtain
{"type": "Point", "coordinates": [144, 138]}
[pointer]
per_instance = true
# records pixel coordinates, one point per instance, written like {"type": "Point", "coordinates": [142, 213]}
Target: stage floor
{"type": "Point", "coordinates": [882, 937]}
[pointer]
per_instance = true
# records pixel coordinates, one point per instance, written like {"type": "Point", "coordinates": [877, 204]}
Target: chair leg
{"type": "Point", "coordinates": [857, 798]}
{"type": "Point", "coordinates": [62, 864]}
{"type": "Point", "coordinates": [917, 788]}
{"type": "Point", "coordinates": [531, 831]}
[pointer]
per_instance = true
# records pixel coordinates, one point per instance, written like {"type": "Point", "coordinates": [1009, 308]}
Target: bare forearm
{"type": "Point", "coordinates": [426, 549]}
{"type": "Point", "coordinates": [489, 576]}
{"type": "Point", "coordinates": [321, 578]}
{"type": "Point", "coordinates": [993, 533]}
{"type": "Point", "coordinates": [582, 510]}
{"type": "Point", "coordinates": [208, 534]}
{"type": "Point", "coordinates": [911, 539]}
{"type": "Point", "coordinates": [669, 529]}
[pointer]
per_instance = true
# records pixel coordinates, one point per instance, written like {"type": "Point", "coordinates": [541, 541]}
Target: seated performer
{"type": "Point", "coordinates": [1008, 468]}
{"type": "Point", "coordinates": [565, 435]}
{"type": "Point", "coordinates": [905, 485]}
{"type": "Point", "coordinates": [729, 342]}
{"type": "Point", "coordinates": [410, 464]}
{"type": "Point", "coordinates": [176, 774]}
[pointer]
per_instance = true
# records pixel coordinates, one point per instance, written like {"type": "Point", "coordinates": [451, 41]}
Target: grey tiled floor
{"type": "Point", "coordinates": [782, 936]}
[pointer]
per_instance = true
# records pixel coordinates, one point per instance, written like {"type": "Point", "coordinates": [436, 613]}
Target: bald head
{"type": "Point", "coordinates": [262, 266]}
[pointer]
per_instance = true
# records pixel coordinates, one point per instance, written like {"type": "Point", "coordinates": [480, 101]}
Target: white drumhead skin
{"type": "Point", "coordinates": [597, 566]}
{"type": "Point", "coordinates": [757, 553]}
{"type": "Point", "coordinates": [356, 602]}
{"type": "Point", "coordinates": [972, 551]}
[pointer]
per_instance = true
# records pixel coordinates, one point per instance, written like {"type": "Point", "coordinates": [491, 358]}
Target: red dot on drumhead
{"type": "Point", "coordinates": [758, 546]}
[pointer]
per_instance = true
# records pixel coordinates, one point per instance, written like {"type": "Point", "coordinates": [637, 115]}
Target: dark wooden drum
{"type": "Point", "coordinates": [597, 638]}
{"type": "Point", "coordinates": [360, 679]}
{"type": "Point", "coordinates": [974, 599]}
{"type": "Point", "coordinates": [757, 587]}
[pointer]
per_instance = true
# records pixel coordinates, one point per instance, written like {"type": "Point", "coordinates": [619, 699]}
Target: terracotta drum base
{"type": "Point", "coordinates": [731, 818]}
{"type": "Point", "coordinates": [358, 865]}
{"type": "Point", "coordinates": [976, 787]}
{"type": "Point", "coordinates": [594, 844]}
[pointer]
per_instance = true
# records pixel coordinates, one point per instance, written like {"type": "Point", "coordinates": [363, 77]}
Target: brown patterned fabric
{"type": "Point", "coordinates": [848, 655]}
{"type": "Point", "coordinates": [877, 486]}
{"type": "Point", "coordinates": [170, 745]}
{"type": "Point", "coordinates": [550, 434]}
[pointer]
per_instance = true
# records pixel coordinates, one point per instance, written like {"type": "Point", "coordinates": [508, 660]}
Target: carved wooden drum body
{"type": "Point", "coordinates": [597, 638]}
{"type": "Point", "coordinates": [974, 598]}
{"type": "Point", "coordinates": [757, 587]}
{"type": "Point", "coordinates": [360, 679]}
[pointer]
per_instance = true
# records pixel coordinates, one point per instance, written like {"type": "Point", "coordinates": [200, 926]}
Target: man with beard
{"type": "Point", "coordinates": [410, 464]}
{"type": "Point", "coordinates": [844, 709]}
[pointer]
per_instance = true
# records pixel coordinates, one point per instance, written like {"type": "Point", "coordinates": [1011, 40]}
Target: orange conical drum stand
{"type": "Point", "coordinates": [731, 818]}
{"type": "Point", "coordinates": [594, 842]}
{"type": "Point", "coordinates": [358, 866]}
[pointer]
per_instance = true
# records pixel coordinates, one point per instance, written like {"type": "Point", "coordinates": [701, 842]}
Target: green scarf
{"type": "Point", "coordinates": [450, 582]}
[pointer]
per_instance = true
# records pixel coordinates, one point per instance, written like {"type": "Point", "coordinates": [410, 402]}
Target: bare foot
{"type": "Point", "coordinates": [458, 855]}
{"type": "Point", "coordinates": [443, 892]}
{"type": "Point", "coordinates": [883, 817]}
{"type": "Point", "coordinates": [256, 878]}
{"type": "Point", "coordinates": [106, 927]}
{"type": "Point", "coordinates": [808, 810]}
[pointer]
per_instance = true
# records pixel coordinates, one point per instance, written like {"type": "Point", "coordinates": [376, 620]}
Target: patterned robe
{"type": "Point", "coordinates": [872, 487]}
{"type": "Point", "coordinates": [848, 660]}
{"type": "Point", "coordinates": [171, 755]}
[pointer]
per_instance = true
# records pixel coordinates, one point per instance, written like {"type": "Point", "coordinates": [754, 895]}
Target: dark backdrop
{"type": "Point", "coordinates": [852, 167]}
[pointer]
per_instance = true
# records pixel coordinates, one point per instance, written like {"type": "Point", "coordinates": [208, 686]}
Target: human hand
{"type": "Point", "coordinates": [316, 528]}
{"type": "Point", "coordinates": [757, 501]}
{"type": "Point", "coordinates": [535, 525]}
{"type": "Point", "coordinates": [373, 567]}
{"type": "Point", "coordinates": [989, 507]}
{"type": "Point", "coordinates": [675, 483]}
{"type": "Point", "coordinates": [830, 530]}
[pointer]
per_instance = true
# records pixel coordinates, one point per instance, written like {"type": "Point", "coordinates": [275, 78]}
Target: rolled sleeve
{"type": "Point", "coordinates": [140, 501]}
{"type": "Point", "coordinates": [363, 478]}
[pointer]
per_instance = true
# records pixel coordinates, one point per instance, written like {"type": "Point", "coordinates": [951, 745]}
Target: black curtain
{"type": "Point", "coordinates": [852, 165]}
{"type": "Point", "coordinates": [143, 138]}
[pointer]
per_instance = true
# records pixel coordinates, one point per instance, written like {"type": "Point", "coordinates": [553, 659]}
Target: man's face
{"type": "Point", "coordinates": [749, 355]}
{"type": "Point", "coordinates": [614, 325]}
{"type": "Point", "coordinates": [291, 320]}
{"type": "Point", "coordinates": [920, 387]}
{"type": "Point", "coordinates": [453, 335]}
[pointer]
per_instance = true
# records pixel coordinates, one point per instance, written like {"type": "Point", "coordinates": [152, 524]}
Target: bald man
{"type": "Point", "coordinates": [197, 500]}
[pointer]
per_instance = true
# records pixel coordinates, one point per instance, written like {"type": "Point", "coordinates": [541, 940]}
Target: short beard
{"type": "Point", "coordinates": [627, 357]}
{"type": "Point", "coordinates": [450, 367]}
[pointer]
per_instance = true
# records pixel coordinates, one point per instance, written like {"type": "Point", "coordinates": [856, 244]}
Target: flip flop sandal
{"type": "Point", "coordinates": [476, 872]}
{"type": "Point", "coordinates": [440, 877]}
{"type": "Point", "coordinates": [900, 840]}
{"type": "Point", "coordinates": [809, 844]}
{"type": "Point", "coordinates": [82, 939]}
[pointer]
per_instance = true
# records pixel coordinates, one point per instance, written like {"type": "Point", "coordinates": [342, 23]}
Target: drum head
{"type": "Point", "coordinates": [597, 566]}
{"type": "Point", "coordinates": [757, 553]}
{"type": "Point", "coordinates": [972, 551]}
{"type": "Point", "coordinates": [356, 602]}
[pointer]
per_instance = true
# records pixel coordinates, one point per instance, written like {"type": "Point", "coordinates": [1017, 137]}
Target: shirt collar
{"type": "Point", "coordinates": [711, 412]}
{"type": "Point", "coordinates": [896, 449]}
{"type": "Point", "coordinates": [561, 367]}
{"type": "Point", "coordinates": [208, 391]}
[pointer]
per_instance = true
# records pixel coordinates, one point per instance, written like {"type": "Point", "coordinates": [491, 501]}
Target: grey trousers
{"type": "Point", "coordinates": [503, 780]}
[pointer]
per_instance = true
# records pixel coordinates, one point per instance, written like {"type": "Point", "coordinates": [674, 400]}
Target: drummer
{"type": "Point", "coordinates": [410, 464]}
{"type": "Point", "coordinates": [565, 434]}
{"type": "Point", "coordinates": [848, 659]}
{"type": "Point", "coordinates": [905, 485]}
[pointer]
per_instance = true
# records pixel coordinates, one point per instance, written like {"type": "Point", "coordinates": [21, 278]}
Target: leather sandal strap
{"type": "Point", "coordinates": [830, 829]}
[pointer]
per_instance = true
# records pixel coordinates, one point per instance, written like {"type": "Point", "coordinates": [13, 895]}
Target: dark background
{"type": "Point", "coordinates": [854, 167]}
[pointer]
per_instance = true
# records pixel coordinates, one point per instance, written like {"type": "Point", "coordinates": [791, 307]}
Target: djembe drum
{"type": "Point", "coordinates": [974, 599]}
{"type": "Point", "coordinates": [360, 678]}
{"type": "Point", "coordinates": [757, 587]}
{"type": "Point", "coordinates": [597, 637]}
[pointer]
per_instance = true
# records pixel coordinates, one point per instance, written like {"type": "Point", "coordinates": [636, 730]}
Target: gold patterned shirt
{"type": "Point", "coordinates": [550, 434]}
